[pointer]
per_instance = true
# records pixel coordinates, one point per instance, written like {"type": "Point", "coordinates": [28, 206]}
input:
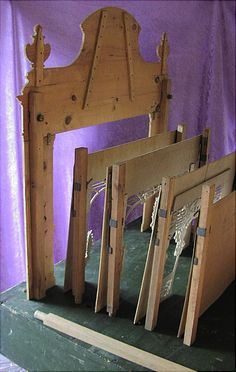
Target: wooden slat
{"type": "Point", "coordinates": [101, 296]}
{"type": "Point", "coordinates": [116, 248]}
{"type": "Point", "coordinates": [143, 294]}
{"type": "Point", "coordinates": [69, 252]}
{"type": "Point", "coordinates": [159, 255]}
{"type": "Point", "coordinates": [79, 222]}
{"type": "Point", "coordinates": [215, 269]}
{"type": "Point", "coordinates": [198, 274]}
{"type": "Point", "coordinates": [118, 348]}
{"type": "Point", "coordinates": [186, 298]}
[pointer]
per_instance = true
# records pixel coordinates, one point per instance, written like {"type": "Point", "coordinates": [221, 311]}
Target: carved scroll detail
{"type": "Point", "coordinates": [37, 53]}
{"type": "Point", "coordinates": [140, 198]}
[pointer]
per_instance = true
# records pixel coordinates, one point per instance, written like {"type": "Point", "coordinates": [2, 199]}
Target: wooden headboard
{"type": "Point", "coordinates": [109, 80]}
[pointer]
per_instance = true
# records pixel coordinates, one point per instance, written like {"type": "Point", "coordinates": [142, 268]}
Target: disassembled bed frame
{"type": "Point", "coordinates": [108, 81]}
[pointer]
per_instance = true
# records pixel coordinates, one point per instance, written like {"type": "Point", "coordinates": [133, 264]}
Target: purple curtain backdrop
{"type": "Point", "coordinates": [201, 66]}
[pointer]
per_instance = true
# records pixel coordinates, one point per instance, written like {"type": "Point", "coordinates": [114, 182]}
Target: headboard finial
{"type": "Point", "coordinates": [37, 53]}
{"type": "Point", "coordinates": [163, 52]}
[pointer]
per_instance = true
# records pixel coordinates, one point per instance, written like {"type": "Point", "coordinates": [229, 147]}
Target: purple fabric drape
{"type": "Point", "coordinates": [201, 66]}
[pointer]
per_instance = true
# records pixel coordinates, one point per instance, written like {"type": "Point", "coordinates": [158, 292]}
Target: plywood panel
{"type": "Point", "coordinates": [98, 161]}
{"type": "Point", "coordinates": [214, 267]}
{"type": "Point", "coordinates": [148, 170]}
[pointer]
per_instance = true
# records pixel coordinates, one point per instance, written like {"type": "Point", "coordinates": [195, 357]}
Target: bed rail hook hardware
{"type": "Point", "coordinates": [201, 231]}
{"type": "Point", "coordinates": [113, 223]}
{"type": "Point", "coordinates": [162, 213]}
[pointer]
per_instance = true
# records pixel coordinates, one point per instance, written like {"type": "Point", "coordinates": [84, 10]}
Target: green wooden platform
{"type": "Point", "coordinates": [34, 347]}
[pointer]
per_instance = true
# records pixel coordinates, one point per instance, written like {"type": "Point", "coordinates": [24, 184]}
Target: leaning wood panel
{"type": "Point", "coordinates": [125, 351]}
{"type": "Point", "coordinates": [215, 256]}
{"type": "Point", "coordinates": [194, 193]}
{"type": "Point", "coordinates": [220, 257]}
{"type": "Point", "coordinates": [147, 170]}
{"type": "Point", "coordinates": [98, 161]}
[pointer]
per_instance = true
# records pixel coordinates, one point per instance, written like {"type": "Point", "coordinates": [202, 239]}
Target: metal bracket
{"type": "Point", "coordinates": [109, 249]}
{"type": "Point", "coordinates": [195, 261]}
{"type": "Point", "coordinates": [162, 213]}
{"type": "Point", "coordinates": [113, 223]}
{"type": "Point", "coordinates": [77, 186]}
{"type": "Point", "coordinates": [201, 231]}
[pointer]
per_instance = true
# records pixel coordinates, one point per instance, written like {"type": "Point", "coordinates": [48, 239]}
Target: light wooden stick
{"type": "Point", "coordinates": [109, 344]}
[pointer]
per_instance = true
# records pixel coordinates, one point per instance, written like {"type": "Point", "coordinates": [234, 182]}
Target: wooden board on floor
{"type": "Point", "coordinates": [109, 344]}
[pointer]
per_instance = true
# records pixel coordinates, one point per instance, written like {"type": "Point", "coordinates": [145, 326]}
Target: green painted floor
{"type": "Point", "coordinates": [34, 347]}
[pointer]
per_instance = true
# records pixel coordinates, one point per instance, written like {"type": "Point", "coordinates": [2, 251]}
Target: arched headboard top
{"type": "Point", "coordinates": [109, 80]}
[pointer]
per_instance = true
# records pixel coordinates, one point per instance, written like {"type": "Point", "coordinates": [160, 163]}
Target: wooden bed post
{"type": "Point", "coordinates": [38, 176]}
{"type": "Point", "coordinates": [37, 288]}
{"type": "Point", "coordinates": [158, 119]}
{"type": "Point", "coordinates": [116, 248]}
